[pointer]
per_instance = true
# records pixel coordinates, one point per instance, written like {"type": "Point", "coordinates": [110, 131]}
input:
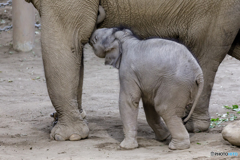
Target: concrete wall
{"type": "Point", "coordinates": [23, 25]}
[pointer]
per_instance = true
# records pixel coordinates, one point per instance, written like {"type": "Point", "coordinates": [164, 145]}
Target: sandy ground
{"type": "Point", "coordinates": [25, 107]}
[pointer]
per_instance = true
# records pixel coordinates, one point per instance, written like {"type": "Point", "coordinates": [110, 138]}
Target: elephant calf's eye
{"type": "Point", "coordinates": [95, 39]}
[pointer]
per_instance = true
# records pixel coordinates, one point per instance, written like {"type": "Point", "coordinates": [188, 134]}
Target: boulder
{"type": "Point", "coordinates": [231, 133]}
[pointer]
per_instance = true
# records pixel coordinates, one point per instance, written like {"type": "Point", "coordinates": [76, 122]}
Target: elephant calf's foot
{"type": "Point", "coordinates": [129, 143]}
{"type": "Point", "coordinates": [162, 137]}
{"type": "Point", "coordinates": [71, 130]}
{"type": "Point", "coordinates": [197, 125]}
{"type": "Point", "coordinates": [177, 144]}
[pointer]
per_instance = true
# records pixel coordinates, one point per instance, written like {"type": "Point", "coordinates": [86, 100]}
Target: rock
{"type": "Point", "coordinates": [231, 133]}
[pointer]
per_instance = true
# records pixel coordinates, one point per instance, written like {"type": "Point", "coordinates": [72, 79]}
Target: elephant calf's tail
{"type": "Point", "coordinates": [200, 83]}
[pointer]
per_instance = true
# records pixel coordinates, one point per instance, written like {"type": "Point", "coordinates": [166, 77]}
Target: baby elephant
{"type": "Point", "coordinates": [161, 72]}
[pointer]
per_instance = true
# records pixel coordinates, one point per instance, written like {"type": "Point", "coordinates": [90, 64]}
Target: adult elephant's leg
{"type": "Point", "coordinates": [211, 46]}
{"type": "Point", "coordinates": [65, 28]}
{"type": "Point", "coordinates": [235, 48]}
{"type": "Point", "coordinates": [209, 62]}
{"type": "Point", "coordinates": [62, 81]}
{"type": "Point", "coordinates": [79, 98]}
{"type": "Point", "coordinates": [200, 119]}
{"type": "Point", "coordinates": [83, 113]}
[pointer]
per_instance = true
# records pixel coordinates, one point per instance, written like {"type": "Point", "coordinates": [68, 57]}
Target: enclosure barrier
{"type": "Point", "coordinates": [23, 25]}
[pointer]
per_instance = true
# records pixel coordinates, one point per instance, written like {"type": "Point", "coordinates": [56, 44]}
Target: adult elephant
{"type": "Point", "coordinates": [210, 29]}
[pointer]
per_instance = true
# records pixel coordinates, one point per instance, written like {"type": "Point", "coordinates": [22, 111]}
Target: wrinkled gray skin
{"type": "Point", "coordinates": [209, 28]}
{"type": "Point", "coordinates": [161, 72]}
{"type": "Point", "coordinates": [101, 16]}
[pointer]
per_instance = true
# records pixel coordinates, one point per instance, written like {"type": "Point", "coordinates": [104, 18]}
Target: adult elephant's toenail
{"type": "Point", "coordinates": [75, 137]}
{"type": "Point", "coordinates": [59, 138]}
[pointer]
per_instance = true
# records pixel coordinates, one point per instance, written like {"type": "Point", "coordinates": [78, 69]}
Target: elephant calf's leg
{"type": "Point", "coordinates": [180, 136]}
{"type": "Point", "coordinates": [128, 106]}
{"type": "Point", "coordinates": [155, 122]}
{"type": "Point", "coordinates": [171, 108]}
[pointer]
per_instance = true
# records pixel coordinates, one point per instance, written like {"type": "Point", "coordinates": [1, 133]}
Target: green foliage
{"type": "Point", "coordinates": [234, 106]}
{"type": "Point", "coordinates": [216, 122]}
{"type": "Point", "coordinates": [214, 119]}
{"type": "Point", "coordinates": [233, 118]}
{"type": "Point", "coordinates": [228, 107]}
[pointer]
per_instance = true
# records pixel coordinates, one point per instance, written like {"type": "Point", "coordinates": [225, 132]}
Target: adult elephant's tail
{"type": "Point", "coordinates": [200, 84]}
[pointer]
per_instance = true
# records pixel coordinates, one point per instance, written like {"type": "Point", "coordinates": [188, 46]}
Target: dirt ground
{"type": "Point", "coordinates": [25, 107]}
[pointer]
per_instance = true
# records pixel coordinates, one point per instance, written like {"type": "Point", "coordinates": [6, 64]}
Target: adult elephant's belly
{"type": "Point", "coordinates": [143, 18]}
{"type": "Point", "coordinates": [150, 18]}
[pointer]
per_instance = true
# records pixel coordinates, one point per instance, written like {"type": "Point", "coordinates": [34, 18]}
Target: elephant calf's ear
{"type": "Point", "coordinates": [111, 46]}
{"type": "Point", "coordinates": [113, 53]}
{"type": "Point", "coordinates": [119, 34]}
{"type": "Point", "coordinates": [123, 33]}
{"type": "Point", "coordinates": [117, 62]}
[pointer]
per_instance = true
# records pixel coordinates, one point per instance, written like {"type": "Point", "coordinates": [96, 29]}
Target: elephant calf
{"type": "Point", "coordinates": [161, 72]}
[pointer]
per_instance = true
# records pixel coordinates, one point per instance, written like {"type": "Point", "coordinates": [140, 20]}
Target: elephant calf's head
{"type": "Point", "coordinates": [106, 44]}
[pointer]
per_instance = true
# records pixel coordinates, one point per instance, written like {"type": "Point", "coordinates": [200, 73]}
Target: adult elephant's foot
{"type": "Point", "coordinates": [55, 116]}
{"type": "Point", "coordinates": [198, 123]}
{"type": "Point", "coordinates": [72, 130]}
{"type": "Point", "coordinates": [129, 143]}
{"type": "Point", "coordinates": [179, 144]}
{"type": "Point", "coordinates": [83, 114]}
